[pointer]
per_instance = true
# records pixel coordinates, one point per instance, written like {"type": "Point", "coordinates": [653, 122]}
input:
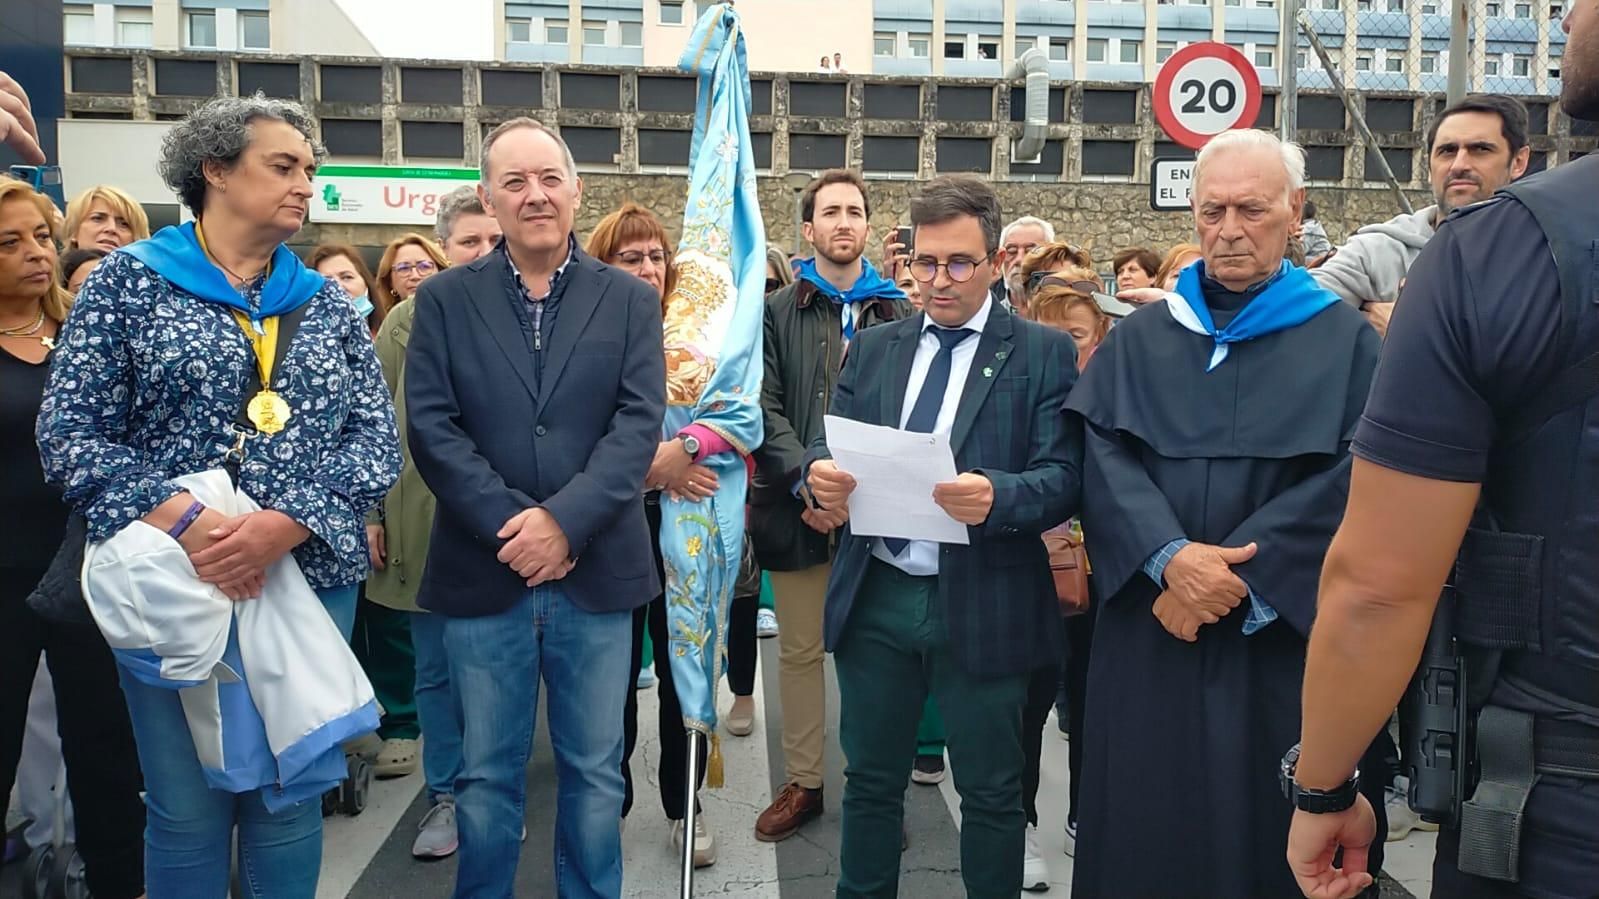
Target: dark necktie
{"type": "Point", "coordinates": [924, 415]}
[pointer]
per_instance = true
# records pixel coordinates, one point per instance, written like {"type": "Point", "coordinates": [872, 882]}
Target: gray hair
{"type": "Point", "coordinates": [510, 125]}
{"type": "Point", "coordinates": [1291, 154]}
{"type": "Point", "coordinates": [461, 201]}
{"type": "Point", "coordinates": [219, 131]}
{"type": "Point", "coordinates": [1025, 221]}
{"type": "Point", "coordinates": [951, 196]}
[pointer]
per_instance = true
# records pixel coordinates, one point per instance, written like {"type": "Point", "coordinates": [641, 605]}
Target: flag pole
{"type": "Point", "coordinates": [693, 782]}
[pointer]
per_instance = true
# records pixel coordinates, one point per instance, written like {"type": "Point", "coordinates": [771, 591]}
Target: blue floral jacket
{"type": "Point", "coordinates": [147, 380]}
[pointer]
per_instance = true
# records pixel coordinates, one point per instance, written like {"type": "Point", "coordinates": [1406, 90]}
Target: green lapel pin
{"type": "Point", "coordinates": [988, 372]}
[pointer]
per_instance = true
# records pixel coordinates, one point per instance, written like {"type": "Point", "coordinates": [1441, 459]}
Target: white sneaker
{"type": "Point", "coordinates": [1401, 818]}
{"type": "Point", "coordinates": [1071, 839]}
{"type": "Point", "coordinates": [704, 843]}
{"type": "Point", "coordinates": [765, 623]}
{"type": "Point", "coordinates": [1035, 874]}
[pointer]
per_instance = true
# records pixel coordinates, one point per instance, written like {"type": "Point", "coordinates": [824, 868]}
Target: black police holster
{"type": "Point", "coordinates": [1456, 744]}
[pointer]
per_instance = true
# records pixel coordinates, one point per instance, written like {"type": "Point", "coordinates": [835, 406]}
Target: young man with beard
{"type": "Point", "coordinates": [1475, 147]}
{"type": "Point", "coordinates": [809, 325]}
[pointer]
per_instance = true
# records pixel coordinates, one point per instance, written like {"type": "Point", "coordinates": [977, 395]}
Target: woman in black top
{"type": "Point", "coordinates": [96, 737]}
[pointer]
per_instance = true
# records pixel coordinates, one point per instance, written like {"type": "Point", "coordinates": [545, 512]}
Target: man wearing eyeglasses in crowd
{"type": "Point", "coordinates": [836, 296]}
{"type": "Point", "coordinates": [965, 624]}
{"type": "Point", "coordinates": [1019, 239]}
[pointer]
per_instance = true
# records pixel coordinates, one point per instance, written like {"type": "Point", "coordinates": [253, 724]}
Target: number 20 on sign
{"type": "Point", "coordinates": [1203, 90]}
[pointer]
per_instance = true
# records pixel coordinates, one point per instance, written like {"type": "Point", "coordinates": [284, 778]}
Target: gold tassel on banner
{"type": "Point", "coordinates": [713, 766]}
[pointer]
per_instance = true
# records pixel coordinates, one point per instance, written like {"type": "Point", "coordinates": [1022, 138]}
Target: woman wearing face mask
{"type": "Point", "coordinates": [633, 239]}
{"type": "Point", "coordinates": [407, 262]}
{"type": "Point", "coordinates": [343, 265]}
{"type": "Point", "coordinates": [207, 353]}
{"type": "Point", "coordinates": [105, 218]}
{"type": "Point", "coordinates": [92, 719]}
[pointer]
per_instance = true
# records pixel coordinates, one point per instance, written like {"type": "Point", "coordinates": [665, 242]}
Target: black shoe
{"type": "Point", "coordinates": [928, 770]}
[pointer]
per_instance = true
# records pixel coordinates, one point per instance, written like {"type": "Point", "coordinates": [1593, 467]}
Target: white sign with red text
{"type": "Point", "coordinates": [383, 194]}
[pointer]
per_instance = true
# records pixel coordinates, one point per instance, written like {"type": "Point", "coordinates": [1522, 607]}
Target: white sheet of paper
{"type": "Point", "coordinates": [895, 472]}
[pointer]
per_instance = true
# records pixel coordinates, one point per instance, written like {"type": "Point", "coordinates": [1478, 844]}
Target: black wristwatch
{"type": "Point", "coordinates": [1316, 802]}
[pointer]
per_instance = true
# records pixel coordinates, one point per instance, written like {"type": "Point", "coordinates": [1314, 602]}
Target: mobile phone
{"type": "Point", "coordinates": [906, 236]}
{"type": "Point", "coordinates": [45, 179]}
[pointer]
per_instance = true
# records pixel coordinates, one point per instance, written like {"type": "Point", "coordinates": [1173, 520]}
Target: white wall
{"type": "Point", "coordinates": [123, 154]}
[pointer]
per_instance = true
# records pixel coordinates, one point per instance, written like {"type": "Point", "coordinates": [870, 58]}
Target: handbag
{"type": "Point", "coordinates": [1068, 563]}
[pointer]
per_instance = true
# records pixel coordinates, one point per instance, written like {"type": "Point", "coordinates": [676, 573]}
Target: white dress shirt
{"type": "Point", "coordinates": [920, 557]}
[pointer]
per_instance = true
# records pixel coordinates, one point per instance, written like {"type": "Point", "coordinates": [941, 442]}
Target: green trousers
{"type": "Point", "coordinates": [382, 643]}
{"type": "Point", "coordinates": [892, 657]}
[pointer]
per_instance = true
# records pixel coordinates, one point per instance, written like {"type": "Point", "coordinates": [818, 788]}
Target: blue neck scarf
{"type": "Point", "coordinates": [1289, 299]}
{"type": "Point", "coordinates": [869, 286]}
{"type": "Point", "coordinates": [174, 252]}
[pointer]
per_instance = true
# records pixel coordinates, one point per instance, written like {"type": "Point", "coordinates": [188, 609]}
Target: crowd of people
{"type": "Point", "coordinates": [444, 479]}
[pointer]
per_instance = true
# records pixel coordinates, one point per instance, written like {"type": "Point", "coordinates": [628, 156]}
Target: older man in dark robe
{"type": "Point", "coordinates": [1217, 428]}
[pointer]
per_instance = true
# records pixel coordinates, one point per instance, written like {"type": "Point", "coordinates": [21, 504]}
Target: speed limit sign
{"type": "Point", "coordinates": [1203, 90]}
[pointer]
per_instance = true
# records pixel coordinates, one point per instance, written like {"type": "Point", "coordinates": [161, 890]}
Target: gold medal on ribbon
{"type": "Point", "coordinates": [268, 412]}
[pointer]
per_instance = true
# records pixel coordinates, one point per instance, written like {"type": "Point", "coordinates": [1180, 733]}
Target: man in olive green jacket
{"type": "Point", "coordinates": [808, 326]}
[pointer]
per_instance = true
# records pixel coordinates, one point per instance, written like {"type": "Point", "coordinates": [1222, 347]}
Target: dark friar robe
{"type": "Point", "coordinates": [1180, 795]}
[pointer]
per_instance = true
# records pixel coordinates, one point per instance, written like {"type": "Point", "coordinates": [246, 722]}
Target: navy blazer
{"type": "Point", "coordinates": [490, 439]}
{"type": "Point", "coordinates": [997, 594]}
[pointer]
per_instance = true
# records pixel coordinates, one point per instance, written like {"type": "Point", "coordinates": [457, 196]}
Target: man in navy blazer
{"type": "Point", "coordinates": [536, 383]}
{"type": "Point", "coordinates": [964, 624]}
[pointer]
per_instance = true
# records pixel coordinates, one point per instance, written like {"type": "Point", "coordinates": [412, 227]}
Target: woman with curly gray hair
{"type": "Point", "coordinates": [212, 347]}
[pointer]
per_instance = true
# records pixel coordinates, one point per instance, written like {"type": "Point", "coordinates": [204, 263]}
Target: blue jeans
{"type": "Point", "coordinates": [189, 826]}
{"type": "Point", "coordinates": [438, 708]}
{"type": "Point", "coordinates": [498, 660]}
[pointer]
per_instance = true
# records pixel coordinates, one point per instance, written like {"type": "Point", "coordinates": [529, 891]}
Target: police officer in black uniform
{"type": "Point", "coordinates": [1477, 463]}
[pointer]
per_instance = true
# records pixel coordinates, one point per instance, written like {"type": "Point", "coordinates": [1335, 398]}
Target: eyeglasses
{"type": "Point", "coordinates": [420, 268]}
{"type": "Point", "coordinates": [1039, 280]}
{"type": "Point", "coordinates": [959, 270]}
{"type": "Point", "coordinates": [637, 257]}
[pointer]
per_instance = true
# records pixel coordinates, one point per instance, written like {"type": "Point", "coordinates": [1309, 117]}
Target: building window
{"type": "Point", "coordinates": [1394, 62]}
{"type": "Point", "coordinates": [1232, 2]}
{"type": "Point", "coordinates": [594, 34]}
{"type": "Point", "coordinates": [1097, 49]}
{"type": "Point", "coordinates": [1330, 4]}
{"type": "Point", "coordinates": [1396, 5]}
{"type": "Point", "coordinates": [955, 49]}
{"type": "Point", "coordinates": [1490, 66]}
{"type": "Point", "coordinates": [632, 34]}
{"type": "Point", "coordinates": [1491, 9]}
{"type": "Point", "coordinates": [1265, 4]}
{"type": "Point", "coordinates": [1023, 44]}
{"type": "Point", "coordinates": [1164, 50]}
{"type": "Point", "coordinates": [1429, 62]}
{"type": "Point", "coordinates": [135, 27]}
{"type": "Point", "coordinates": [671, 12]}
{"type": "Point", "coordinates": [1265, 57]}
{"type": "Point", "coordinates": [1300, 59]}
{"type": "Point", "coordinates": [202, 30]}
{"type": "Point", "coordinates": [556, 32]}
{"type": "Point", "coordinates": [1556, 10]}
{"type": "Point", "coordinates": [1429, 8]}
{"type": "Point", "coordinates": [77, 25]}
{"type": "Point", "coordinates": [1523, 10]}
{"type": "Point", "coordinates": [519, 31]}
{"type": "Point", "coordinates": [885, 43]}
{"type": "Point", "coordinates": [255, 31]}
{"type": "Point", "coordinates": [1363, 5]}
{"type": "Point", "coordinates": [1363, 60]}
{"type": "Point", "coordinates": [919, 46]}
{"type": "Point", "coordinates": [1554, 71]}
{"type": "Point", "coordinates": [987, 47]}
{"type": "Point", "coordinates": [1132, 51]}
{"type": "Point", "coordinates": [1060, 49]}
{"type": "Point", "coordinates": [1521, 66]}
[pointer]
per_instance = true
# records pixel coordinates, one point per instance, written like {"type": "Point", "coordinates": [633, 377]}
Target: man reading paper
{"type": "Point", "coordinates": [965, 624]}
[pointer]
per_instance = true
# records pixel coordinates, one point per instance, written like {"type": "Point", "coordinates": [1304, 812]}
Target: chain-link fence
{"type": "Point", "coordinates": [1511, 46]}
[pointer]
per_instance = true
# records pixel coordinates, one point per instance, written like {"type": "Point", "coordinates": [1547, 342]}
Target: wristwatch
{"type": "Point", "coordinates": [691, 444]}
{"type": "Point", "coordinates": [1316, 802]}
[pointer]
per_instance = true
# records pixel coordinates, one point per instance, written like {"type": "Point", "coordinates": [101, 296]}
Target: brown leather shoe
{"type": "Point", "coordinates": [792, 808]}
